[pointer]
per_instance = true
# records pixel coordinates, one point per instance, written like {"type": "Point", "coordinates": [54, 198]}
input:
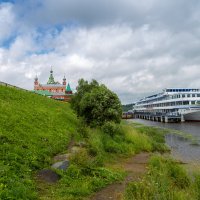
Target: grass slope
{"type": "Point", "coordinates": [94, 167]}
{"type": "Point", "coordinates": [33, 128]}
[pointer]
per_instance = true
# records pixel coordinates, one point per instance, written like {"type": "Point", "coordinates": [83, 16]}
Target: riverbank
{"type": "Point", "coordinates": [166, 178]}
{"type": "Point", "coordinates": [182, 138]}
{"type": "Point", "coordinates": [101, 161]}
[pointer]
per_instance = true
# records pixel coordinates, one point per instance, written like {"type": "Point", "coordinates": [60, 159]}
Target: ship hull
{"type": "Point", "coordinates": [193, 116]}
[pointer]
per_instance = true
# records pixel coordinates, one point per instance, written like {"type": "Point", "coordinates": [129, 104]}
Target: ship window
{"type": "Point", "coordinates": [193, 95]}
{"type": "Point", "coordinates": [188, 95]}
{"type": "Point", "coordinates": [198, 95]}
{"type": "Point", "coordinates": [192, 102]}
{"type": "Point", "coordinates": [186, 103]}
{"type": "Point", "coordinates": [183, 95]}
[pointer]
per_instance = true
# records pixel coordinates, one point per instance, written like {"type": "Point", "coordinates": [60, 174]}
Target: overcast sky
{"type": "Point", "coordinates": [134, 47]}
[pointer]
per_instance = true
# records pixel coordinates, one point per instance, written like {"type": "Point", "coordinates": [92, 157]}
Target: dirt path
{"type": "Point", "coordinates": [136, 167]}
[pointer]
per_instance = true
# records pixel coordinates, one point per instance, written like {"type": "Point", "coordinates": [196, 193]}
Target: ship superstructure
{"type": "Point", "coordinates": [172, 101]}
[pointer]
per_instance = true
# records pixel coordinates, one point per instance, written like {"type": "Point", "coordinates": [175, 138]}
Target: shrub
{"type": "Point", "coordinates": [112, 128]}
{"type": "Point", "coordinates": [96, 104]}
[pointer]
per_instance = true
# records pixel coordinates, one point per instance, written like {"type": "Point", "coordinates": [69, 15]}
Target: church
{"type": "Point", "coordinates": [53, 89]}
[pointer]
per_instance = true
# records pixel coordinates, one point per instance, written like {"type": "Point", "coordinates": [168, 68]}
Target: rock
{"type": "Point", "coordinates": [75, 149]}
{"type": "Point", "coordinates": [61, 165]}
{"type": "Point", "coordinates": [81, 144]}
{"type": "Point", "coordinates": [48, 175]}
{"type": "Point", "coordinates": [62, 157]}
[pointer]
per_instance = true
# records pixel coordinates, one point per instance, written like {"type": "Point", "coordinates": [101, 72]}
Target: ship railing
{"type": "Point", "coordinates": [159, 114]}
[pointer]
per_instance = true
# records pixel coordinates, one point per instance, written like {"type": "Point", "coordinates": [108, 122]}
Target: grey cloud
{"type": "Point", "coordinates": [135, 48]}
{"type": "Point", "coordinates": [175, 15]}
{"type": "Point", "coordinates": [7, 21]}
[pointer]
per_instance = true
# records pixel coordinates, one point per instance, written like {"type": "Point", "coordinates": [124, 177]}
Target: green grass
{"type": "Point", "coordinates": [88, 172]}
{"type": "Point", "coordinates": [183, 134]}
{"type": "Point", "coordinates": [33, 128]}
{"type": "Point", "coordinates": [166, 179]}
{"type": "Point", "coordinates": [157, 137]}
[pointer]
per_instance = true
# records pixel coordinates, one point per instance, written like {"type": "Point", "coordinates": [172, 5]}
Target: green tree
{"type": "Point", "coordinates": [96, 104]}
{"type": "Point", "coordinates": [82, 88]}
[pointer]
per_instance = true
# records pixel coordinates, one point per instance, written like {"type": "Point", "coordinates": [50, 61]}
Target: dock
{"type": "Point", "coordinates": [160, 117]}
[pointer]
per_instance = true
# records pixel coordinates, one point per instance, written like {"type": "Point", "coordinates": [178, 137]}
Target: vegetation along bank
{"type": "Point", "coordinates": [34, 130]}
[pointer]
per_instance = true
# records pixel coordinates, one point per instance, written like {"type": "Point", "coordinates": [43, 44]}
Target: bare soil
{"type": "Point", "coordinates": [135, 167]}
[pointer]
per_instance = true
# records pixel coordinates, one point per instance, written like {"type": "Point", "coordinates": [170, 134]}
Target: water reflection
{"type": "Point", "coordinates": [181, 148]}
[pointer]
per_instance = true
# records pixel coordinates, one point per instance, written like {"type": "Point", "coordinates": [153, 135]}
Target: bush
{"type": "Point", "coordinates": [96, 104]}
{"type": "Point", "coordinates": [112, 128]}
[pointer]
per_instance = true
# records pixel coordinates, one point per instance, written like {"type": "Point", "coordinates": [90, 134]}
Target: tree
{"type": "Point", "coordinates": [82, 88]}
{"type": "Point", "coordinates": [96, 104]}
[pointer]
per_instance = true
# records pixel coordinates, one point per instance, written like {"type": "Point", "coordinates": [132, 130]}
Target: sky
{"type": "Point", "coordinates": [135, 48]}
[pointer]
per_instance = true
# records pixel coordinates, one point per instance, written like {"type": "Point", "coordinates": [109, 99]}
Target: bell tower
{"type": "Point", "coordinates": [36, 83]}
{"type": "Point", "coordinates": [64, 81]}
{"type": "Point", "coordinates": [51, 78]}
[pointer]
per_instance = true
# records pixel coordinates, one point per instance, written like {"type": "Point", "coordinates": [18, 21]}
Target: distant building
{"type": "Point", "coordinates": [53, 89]}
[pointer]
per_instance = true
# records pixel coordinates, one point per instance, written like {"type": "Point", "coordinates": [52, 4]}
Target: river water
{"type": "Point", "coordinates": [186, 150]}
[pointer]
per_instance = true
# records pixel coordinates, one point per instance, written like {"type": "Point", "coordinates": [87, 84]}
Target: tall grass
{"type": "Point", "coordinates": [88, 172]}
{"type": "Point", "coordinates": [166, 180]}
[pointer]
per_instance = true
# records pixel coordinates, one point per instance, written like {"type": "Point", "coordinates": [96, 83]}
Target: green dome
{"type": "Point", "coordinates": [68, 88]}
{"type": "Point", "coordinates": [51, 78]}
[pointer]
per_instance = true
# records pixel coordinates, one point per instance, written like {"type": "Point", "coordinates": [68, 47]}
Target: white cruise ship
{"type": "Point", "coordinates": [172, 101]}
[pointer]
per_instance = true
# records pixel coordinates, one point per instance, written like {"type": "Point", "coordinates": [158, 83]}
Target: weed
{"type": "Point", "coordinates": [197, 186]}
{"type": "Point", "coordinates": [165, 180]}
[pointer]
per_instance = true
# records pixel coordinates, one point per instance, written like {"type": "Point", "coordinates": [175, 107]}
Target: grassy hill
{"type": "Point", "coordinates": [33, 128]}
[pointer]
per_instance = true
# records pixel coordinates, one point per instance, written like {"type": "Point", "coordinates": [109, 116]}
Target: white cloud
{"type": "Point", "coordinates": [133, 47]}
